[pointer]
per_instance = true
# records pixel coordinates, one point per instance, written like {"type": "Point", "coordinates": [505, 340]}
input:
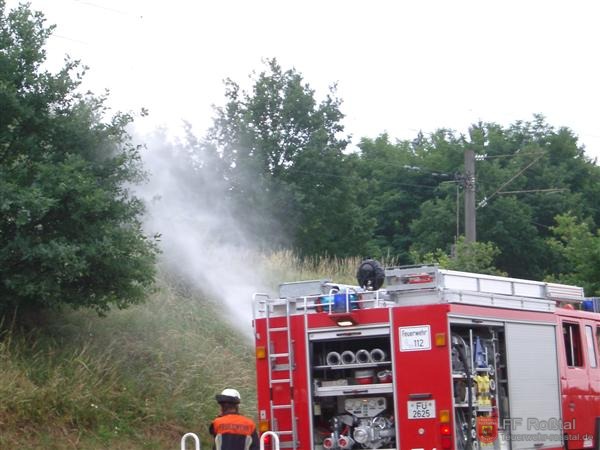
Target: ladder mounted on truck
{"type": "Point", "coordinates": [287, 354]}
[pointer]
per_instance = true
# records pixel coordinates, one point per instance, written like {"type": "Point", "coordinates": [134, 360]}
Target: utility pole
{"type": "Point", "coordinates": [469, 183]}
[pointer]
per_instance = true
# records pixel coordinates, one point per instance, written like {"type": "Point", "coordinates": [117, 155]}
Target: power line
{"type": "Point", "coordinates": [106, 8]}
{"type": "Point", "coordinates": [69, 39]}
{"type": "Point", "coordinates": [540, 225]}
{"type": "Point", "coordinates": [517, 152]}
{"type": "Point", "coordinates": [487, 199]}
{"type": "Point", "coordinates": [393, 183]}
{"type": "Point", "coordinates": [548, 190]}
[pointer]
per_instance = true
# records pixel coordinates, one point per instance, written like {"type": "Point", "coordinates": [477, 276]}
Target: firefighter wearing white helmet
{"type": "Point", "coordinates": [231, 430]}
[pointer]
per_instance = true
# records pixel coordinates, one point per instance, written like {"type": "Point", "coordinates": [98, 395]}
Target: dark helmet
{"type": "Point", "coordinates": [370, 275]}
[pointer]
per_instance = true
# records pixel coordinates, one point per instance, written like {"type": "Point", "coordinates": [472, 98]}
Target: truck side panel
{"type": "Point", "coordinates": [533, 386]}
{"type": "Point", "coordinates": [423, 375]}
{"type": "Point", "coordinates": [577, 335]}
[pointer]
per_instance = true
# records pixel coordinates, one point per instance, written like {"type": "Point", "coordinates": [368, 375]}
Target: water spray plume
{"type": "Point", "coordinates": [200, 238]}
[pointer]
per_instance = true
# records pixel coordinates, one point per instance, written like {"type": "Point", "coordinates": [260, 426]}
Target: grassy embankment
{"type": "Point", "coordinates": [137, 379]}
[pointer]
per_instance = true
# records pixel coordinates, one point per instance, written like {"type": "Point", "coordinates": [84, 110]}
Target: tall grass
{"type": "Point", "coordinates": [139, 378]}
{"type": "Point", "coordinates": [287, 266]}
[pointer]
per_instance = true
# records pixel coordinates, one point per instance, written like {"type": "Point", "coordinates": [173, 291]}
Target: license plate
{"type": "Point", "coordinates": [423, 409]}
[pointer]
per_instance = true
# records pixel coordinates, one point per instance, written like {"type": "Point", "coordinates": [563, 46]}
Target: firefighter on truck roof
{"type": "Point", "coordinates": [231, 430]}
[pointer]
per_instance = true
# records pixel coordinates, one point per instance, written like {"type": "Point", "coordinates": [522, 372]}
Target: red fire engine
{"type": "Point", "coordinates": [438, 359]}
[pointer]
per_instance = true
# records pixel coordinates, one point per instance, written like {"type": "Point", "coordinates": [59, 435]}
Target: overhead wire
{"type": "Point", "coordinates": [89, 4]}
{"type": "Point", "coordinates": [510, 180]}
{"type": "Point", "coordinates": [106, 8]}
{"type": "Point", "coordinates": [506, 155]}
{"type": "Point", "coordinates": [328, 174]}
{"type": "Point", "coordinates": [69, 39]}
{"type": "Point", "coordinates": [527, 191]}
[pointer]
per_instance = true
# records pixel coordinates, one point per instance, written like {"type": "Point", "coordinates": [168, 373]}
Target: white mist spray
{"type": "Point", "coordinates": [199, 237]}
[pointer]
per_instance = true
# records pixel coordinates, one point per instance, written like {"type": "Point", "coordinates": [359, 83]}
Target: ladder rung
{"type": "Point", "coordinates": [281, 406]}
{"type": "Point", "coordinates": [280, 367]}
{"type": "Point", "coordinates": [284, 433]}
{"type": "Point", "coordinates": [279, 355]}
{"type": "Point", "coordinates": [283, 380]}
{"type": "Point", "coordinates": [278, 329]}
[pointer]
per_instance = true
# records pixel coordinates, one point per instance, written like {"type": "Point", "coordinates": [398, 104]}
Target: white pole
{"type": "Point", "coordinates": [194, 437]}
{"type": "Point", "coordinates": [275, 440]}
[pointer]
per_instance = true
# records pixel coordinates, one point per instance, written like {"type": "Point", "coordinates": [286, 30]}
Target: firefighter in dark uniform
{"type": "Point", "coordinates": [231, 430]}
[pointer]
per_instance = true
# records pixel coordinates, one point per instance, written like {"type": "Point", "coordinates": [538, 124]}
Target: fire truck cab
{"type": "Point", "coordinates": [438, 359]}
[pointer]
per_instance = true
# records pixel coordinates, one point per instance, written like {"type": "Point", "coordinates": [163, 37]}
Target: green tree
{"type": "Point", "coordinates": [517, 167]}
{"type": "Point", "coordinates": [510, 224]}
{"type": "Point", "coordinates": [394, 189]}
{"type": "Point", "coordinates": [434, 225]}
{"type": "Point", "coordinates": [579, 249]}
{"type": "Point", "coordinates": [475, 257]}
{"type": "Point", "coordinates": [70, 229]}
{"type": "Point", "coordinates": [283, 159]}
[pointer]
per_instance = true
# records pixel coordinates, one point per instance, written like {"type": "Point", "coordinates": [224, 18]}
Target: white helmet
{"type": "Point", "coordinates": [228, 396]}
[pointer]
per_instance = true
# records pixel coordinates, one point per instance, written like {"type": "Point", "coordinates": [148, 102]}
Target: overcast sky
{"type": "Point", "coordinates": [400, 66]}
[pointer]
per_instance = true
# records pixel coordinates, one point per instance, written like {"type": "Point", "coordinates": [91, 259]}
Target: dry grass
{"type": "Point", "coordinates": [286, 266]}
{"type": "Point", "coordinates": [126, 381]}
{"type": "Point", "coordinates": [139, 378]}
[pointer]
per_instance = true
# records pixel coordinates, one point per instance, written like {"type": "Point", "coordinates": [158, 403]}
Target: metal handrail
{"type": "Point", "coordinates": [275, 440]}
{"type": "Point", "coordinates": [255, 304]}
{"type": "Point", "coordinates": [194, 437]}
{"type": "Point", "coordinates": [306, 306]}
{"type": "Point", "coordinates": [259, 294]}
